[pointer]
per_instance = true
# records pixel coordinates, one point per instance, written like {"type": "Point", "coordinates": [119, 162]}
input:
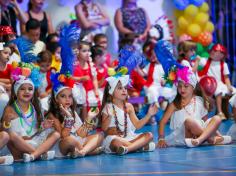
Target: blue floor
{"type": "Point", "coordinates": [206, 160]}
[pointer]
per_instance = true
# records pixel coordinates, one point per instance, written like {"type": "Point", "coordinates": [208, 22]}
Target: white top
{"type": "Point", "coordinates": [214, 69]}
{"type": "Point", "coordinates": [108, 110]}
{"type": "Point", "coordinates": [194, 110]}
{"type": "Point", "coordinates": [158, 72]}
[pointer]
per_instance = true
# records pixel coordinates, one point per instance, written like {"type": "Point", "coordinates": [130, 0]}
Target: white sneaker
{"type": "Point", "coordinates": [28, 157]}
{"type": "Point", "coordinates": [122, 150]}
{"type": "Point", "coordinates": [151, 146]}
{"type": "Point", "coordinates": [49, 155]}
{"type": "Point", "coordinates": [8, 160]}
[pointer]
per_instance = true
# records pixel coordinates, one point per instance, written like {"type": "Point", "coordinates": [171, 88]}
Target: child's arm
{"type": "Point", "coordinates": [95, 84]}
{"type": "Point", "coordinates": [5, 81]}
{"type": "Point", "coordinates": [8, 115]}
{"type": "Point", "coordinates": [228, 83]}
{"type": "Point", "coordinates": [196, 64]}
{"type": "Point", "coordinates": [140, 123]}
{"type": "Point", "coordinates": [57, 125]}
{"type": "Point", "coordinates": [80, 78]}
{"type": "Point", "coordinates": [161, 136]}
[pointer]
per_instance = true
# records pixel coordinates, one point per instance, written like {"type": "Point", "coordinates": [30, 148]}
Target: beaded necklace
{"type": "Point", "coordinates": [117, 122]}
{"type": "Point", "coordinates": [24, 117]}
{"type": "Point", "coordinates": [194, 108]}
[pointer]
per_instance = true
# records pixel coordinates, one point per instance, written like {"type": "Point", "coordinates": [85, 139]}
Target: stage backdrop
{"type": "Point", "coordinates": [60, 11]}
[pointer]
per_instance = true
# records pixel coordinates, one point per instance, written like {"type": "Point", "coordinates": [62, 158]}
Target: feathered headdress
{"type": "Point", "coordinates": [162, 29]}
{"type": "Point", "coordinates": [129, 57]}
{"type": "Point", "coordinates": [68, 36]}
{"type": "Point", "coordinates": [25, 48]}
{"type": "Point", "coordinates": [173, 70]}
{"type": "Point", "coordinates": [26, 73]}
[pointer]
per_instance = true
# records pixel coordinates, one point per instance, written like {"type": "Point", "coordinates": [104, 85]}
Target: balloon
{"type": "Point", "coordinates": [178, 13]}
{"type": "Point", "coordinates": [194, 30]}
{"type": "Point", "coordinates": [180, 32]}
{"type": "Point", "coordinates": [208, 85]}
{"type": "Point", "coordinates": [191, 11]}
{"type": "Point", "coordinates": [181, 4]}
{"type": "Point", "coordinates": [205, 38]}
{"type": "Point", "coordinates": [184, 37]}
{"type": "Point", "coordinates": [204, 7]}
{"type": "Point", "coordinates": [205, 54]}
{"type": "Point", "coordinates": [201, 18]}
{"type": "Point", "coordinates": [200, 48]}
{"type": "Point", "coordinates": [182, 22]}
{"type": "Point", "coordinates": [196, 2]}
{"type": "Point", "coordinates": [209, 27]}
{"type": "Point", "coordinates": [26, 72]}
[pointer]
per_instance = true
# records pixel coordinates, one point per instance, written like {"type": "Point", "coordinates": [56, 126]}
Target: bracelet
{"type": "Point", "coordinates": [161, 139]}
{"type": "Point", "coordinates": [6, 126]}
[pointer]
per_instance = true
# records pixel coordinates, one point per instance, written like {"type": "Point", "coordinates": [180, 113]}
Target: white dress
{"type": "Point", "coordinates": [195, 110]}
{"type": "Point", "coordinates": [4, 98]}
{"type": "Point", "coordinates": [215, 71]}
{"type": "Point", "coordinates": [156, 90]}
{"type": "Point", "coordinates": [108, 110]}
{"type": "Point", "coordinates": [20, 127]}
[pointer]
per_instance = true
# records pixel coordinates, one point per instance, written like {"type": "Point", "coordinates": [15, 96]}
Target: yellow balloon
{"type": "Point", "coordinates": [209, 27]}
{"type": "Point", "coordinates": [182, 22]}
{"type": "Point", "coordinates": [194, 30]}
{"type": "Point", "coordinates": [204, 7]}
{"type": "Point", "coordinates": [201, 18]}
{"type": "Point", "coordinates": [191, 11]}
{"type": "Point", "coordinates": [178, 13]}
{"type": "Point", "coordinates": [180, 32]}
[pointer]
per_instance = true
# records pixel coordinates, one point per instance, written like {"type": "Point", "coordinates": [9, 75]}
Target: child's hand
{"type": "Point", "coordinates": [152, 109]}
{"type": "Point", "coordinates": [47, 124]}
{"type": "Point", "coordinates": [65, 112]}
{"type": "Point", "coordinates": [162, 143]}
{"type": "Point", "coordinates": [93, 112]}
{"type": "Point", "coordinates": [230, 88]}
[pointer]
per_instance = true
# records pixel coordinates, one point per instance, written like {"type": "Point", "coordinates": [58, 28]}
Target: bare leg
{"type": "Point", "coordinates": [4, 138]}
{"type": "Point", "coordinates": [69, 144]}
{"type": "Point", "coordinates": [210, 130]}
{"type": "Point", "coordinates": [46, 145]}
{"type": "Point", "coordinates": [192, 128]}
{"type": "Point", "coordinates": [118, 142]}
{"type": "Point", "coordinates": [92, 142]}
{"type": "Point", "coordinates": [219, 103]}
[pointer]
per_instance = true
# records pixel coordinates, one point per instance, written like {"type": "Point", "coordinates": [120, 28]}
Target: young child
{"type": "Point", "coordinates": [101, 68]}
{"type": "Point", "coordinates": [4, 138]}
{"type": "Point", "coordinates": [187, 55]}
{"type": "Point", "coordinates": [86, 90]}
{"type": "Point", "coordinates": [55, 49]}
{"type": "Point", "coordinates": [5, 76]}
{"type": "Point", "coordinates": [76, 140]}
{"type": "Point", "coordinates": [216, 66]}
{"type": "Point", "coordinates": [189, 118]}
{"type": "Point", "coordinates": [30, 135]}
{"type": "Point", "coordinates": [119, 121]}
{"type": "Point", "coordinates": [44, 62]}
{"type": "Point", "coordinates": [102, 41]}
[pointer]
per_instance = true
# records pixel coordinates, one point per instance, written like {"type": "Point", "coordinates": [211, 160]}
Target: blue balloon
{"type": "Point", "coordinates": [196, 2]}
{"type": "Point", "coordinates": [181, 4]}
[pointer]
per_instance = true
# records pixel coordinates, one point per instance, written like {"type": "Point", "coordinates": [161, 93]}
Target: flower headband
{"type": "Point", "coordinates": [25, 73]}
{"type": "Point", "coordinates": [116, 77]}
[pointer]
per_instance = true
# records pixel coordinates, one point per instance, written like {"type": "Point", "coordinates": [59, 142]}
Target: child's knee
{"type": "Point", "coordinates": [4, 136]}
{"type": "Point", "coordinates": [149, 136]}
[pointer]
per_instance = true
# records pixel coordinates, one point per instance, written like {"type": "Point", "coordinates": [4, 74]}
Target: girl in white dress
{"type": "Point", "coordinates": [76, 140]}
{"type": "Point", "coordinates": [189, 119]}
{"type": "Point", "coordinates": [30, 135]}
{"type": "Point", "coordinates": [120, 122]}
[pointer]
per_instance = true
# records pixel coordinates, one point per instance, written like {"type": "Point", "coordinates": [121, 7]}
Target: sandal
{"type": "Point", "coordinates": [8, 160]}
{"type": "Point", "coordinates": [188, 142]}
{"type": "Point", "coordinates": [76, 153]}
{"type": "Point", "coordinates": [28, 157]}
{"type": "Point", "coordinates": [149, 148]}
{"type": "Point", "coordinates": [122, 150]}
{"type": "Point", "coordinates": [49, 155]}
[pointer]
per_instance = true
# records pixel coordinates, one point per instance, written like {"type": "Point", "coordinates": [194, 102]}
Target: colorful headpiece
{"type": "Point", "coordinates": [162, 29]}
{"type": "Point", "coordinates": [25, 73]}
{"type": "Point", "coordinates": [174, 72]}
{"type": "Point", "coordinates": [116, 77]}
{"type": "Point", "coordinates": [69, 35]}
{"type": "Point", "coordinates": [6, 30]}
{"type": "Point", "coordinates": [219, 47]}
{"type": "Point", "coordinates": [130, 57]}
{"type": "Point", "coordinates": [25, 48]}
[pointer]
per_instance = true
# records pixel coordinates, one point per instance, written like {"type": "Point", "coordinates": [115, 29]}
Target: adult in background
{"type": "Point", "coordinates": [131, 19]}
{"type": "Point", "coordinates": [35, 11]}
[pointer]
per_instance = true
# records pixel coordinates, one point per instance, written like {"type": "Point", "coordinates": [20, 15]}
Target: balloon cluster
{"type": "Point", "coordinates": [193, 21]}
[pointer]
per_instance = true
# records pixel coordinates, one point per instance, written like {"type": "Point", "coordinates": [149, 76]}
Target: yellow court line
{"type": "Point", "coordinates": [152, 173]}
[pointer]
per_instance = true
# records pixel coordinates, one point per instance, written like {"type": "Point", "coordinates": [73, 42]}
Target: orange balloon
{"type": "Point", "coordinates": [205, 38]}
